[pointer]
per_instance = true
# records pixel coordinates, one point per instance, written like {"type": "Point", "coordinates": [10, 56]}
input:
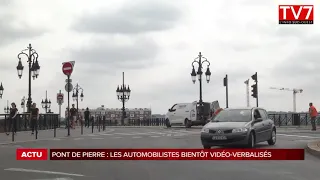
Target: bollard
{"type": "Point", "coordinates": [36, 128]}
{"type": "Point", "coordinates": [12, 129]}
{"type": "Point", "coordinates": [55, 129]}
{"type": "Point", "coordinates": [92, 122]}
{"type": "Point", "coordinates": [103, 123]}
{"type": "Point", "coordinates": [99, 121]}
{"type": "Point", "coordinates": [81, 126]}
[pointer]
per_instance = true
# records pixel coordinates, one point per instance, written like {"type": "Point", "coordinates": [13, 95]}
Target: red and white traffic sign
{"type": "Point", "coordinates": [67, 68]}
{"type": "Point", "coordinates": [60, 97]}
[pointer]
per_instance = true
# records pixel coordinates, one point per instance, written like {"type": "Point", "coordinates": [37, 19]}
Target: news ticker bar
{"type": "Point", "coordinates": [160, 154]}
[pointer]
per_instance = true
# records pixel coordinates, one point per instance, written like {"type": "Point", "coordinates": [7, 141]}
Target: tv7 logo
{"type": "Point", "coordinates": [295, 14]}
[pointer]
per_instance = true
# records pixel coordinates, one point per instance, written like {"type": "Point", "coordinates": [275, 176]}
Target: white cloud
{"type": "Point", "coordinates": [154, 44]}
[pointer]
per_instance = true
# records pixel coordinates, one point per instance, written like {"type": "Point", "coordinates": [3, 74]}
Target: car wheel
{"type": "Point", "coordinates": [273, 138]}
{"type": "Point", "coordinates": [206, 147]}
{"type": "Point", "coordinates": [168, 123]}
{"type": "Point", "coordinates": [187, 123]}
{"type": "Point", "coordinates": [251, 141]}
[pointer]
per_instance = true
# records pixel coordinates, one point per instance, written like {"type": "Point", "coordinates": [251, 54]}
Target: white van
{"type": "Point", "coordinates": [187, 114]}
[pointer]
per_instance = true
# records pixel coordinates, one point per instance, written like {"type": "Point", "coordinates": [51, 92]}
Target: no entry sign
{"type": "Point", "coordinates": [67, 68]}
{"type": "Point", "coordinates": [60, 97]}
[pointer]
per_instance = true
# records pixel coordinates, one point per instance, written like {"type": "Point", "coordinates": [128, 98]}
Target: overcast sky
{"type": "Point", "coordinates": [154, 42]}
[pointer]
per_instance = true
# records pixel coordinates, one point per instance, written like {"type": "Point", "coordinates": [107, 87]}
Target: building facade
{"type": "Point", "coordinates": [116, 113]}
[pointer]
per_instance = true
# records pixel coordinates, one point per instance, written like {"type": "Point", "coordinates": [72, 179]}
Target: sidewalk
{"type": "Point", "coordinates": [25, 136]}
{"type": "Point", "coordinates": [297, 129]}
{"type": "Point", "coordinates": [314, 148]}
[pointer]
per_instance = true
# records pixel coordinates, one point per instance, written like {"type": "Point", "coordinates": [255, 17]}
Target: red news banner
{"type": "Point", "coordinates": [160, 154]}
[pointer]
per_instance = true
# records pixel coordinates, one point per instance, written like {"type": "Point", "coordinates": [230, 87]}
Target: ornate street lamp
{"type": "Point", "coordinates": [46, 103]}
{"type": "Point", "coordinates": [123, 95]}
{"type": "Point", "coordinates": [7, 109]}
{"type": "Point", "coordinates": [23, 103]}
{"type": "Point", "coordinates": [1, 90]}
{"type": "Point", "coordinates": [200, 60]}
{"type": "Point", "coordinates": [34, 68]}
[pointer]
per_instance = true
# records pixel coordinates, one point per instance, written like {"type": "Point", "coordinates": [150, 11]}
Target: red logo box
{"type": "Point", "coordinates": [296, 14]}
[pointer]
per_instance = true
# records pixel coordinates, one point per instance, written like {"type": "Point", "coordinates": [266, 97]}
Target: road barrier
{"type": "Point", "coordinates": [292, 119]}
{"type": "Point", "coordinates": [46, 121]}
{"type": "Point", "coordinates": [280, 119]}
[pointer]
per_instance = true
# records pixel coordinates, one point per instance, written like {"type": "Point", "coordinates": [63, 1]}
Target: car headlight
{"type": "Point", "coordinates": [239, 130]}
{"type": "Point", "coordinates": [205, 130]}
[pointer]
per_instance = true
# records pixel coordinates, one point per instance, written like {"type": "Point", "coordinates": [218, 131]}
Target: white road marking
{"type": "Point", "coordinates": [154, 136]}
{"type": "Point", "coordinates": [97, 138]}
{"type": "Point", "coordinates": [136, 137]}
{"type": "Point", "coordinates": [90, 135]}
{"type": "Point", "coordinates": [147, 133]}
{"type": "Point", "coordinates": [179, 134]}
{"type": "Point", "coordinates": [292, 135]}
{"type": "Point", "coordinates": [127, 134]}
{"type": "Point", "coordinates": [116, 137]}
{"type": "Point", "coordinates": [109, 131]}
{"type": "Point", "coordinates": [304, 140]}
{"type": "Point", "coordinates": [42, 172]}
{"type": "Point", "coordinates": [103, 134]}
{"type": "Point", "coordinates": [55, 179]}
{"type": "Point", "coordinates": [78, 139]}
{"type": "Point", "coordinates": [157, 133]}
{"type": "Point", "coordinates": [168, 134]}
{"type": "Point", "coordinates": [55, 139]}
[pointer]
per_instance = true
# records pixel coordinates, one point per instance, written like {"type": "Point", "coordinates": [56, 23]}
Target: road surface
{"type": "Point", "coordinates": [10, 169]}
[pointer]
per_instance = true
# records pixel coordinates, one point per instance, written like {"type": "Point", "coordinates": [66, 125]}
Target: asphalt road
{"type": "Point", "coordinates": [10, 169]}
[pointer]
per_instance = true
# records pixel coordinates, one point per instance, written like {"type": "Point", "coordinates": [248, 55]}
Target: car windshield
{"type": "Point", "coordinates": [233, 115]}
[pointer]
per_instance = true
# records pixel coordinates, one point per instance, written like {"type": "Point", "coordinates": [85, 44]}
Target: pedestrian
{"type": "Point", "coordinates": [313, 115]}
{"type": "Point", "coordinates": [13, 119]}
{"type": "Point", "coordinates": [34, 118]}
{"type": "Point", "coordinates": [86, 117]}
{"type": "Point", "coordinates": [73, 113]}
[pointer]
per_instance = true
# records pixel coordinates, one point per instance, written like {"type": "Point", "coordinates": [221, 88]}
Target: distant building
{"type": "Point", "coordinates": [116, 113]}
{"type": "Point", "coordinates": [158, 115]}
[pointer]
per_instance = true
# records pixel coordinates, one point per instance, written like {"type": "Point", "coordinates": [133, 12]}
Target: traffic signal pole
{"type": "Point", "coordinates": [68, 107]}
{"type": "Point", "coordinates": [257, 98]}
{"type": "Point", "coordinates": [255, 88]}
{"type": "Point", "coordinates": [225, 83]}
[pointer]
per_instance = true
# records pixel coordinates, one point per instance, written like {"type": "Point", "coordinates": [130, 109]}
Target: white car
{"type": "Point", "coordinates": [187, 114]}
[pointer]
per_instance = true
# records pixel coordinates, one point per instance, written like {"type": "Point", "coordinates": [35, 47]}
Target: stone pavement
{"type": "Point", "coordinates": [10, 169]}
{"type": "Point", "coordinates": [25, 136]}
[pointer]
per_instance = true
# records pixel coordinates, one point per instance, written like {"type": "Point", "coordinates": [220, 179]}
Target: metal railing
{"type": "Point", "coordinates": [280, 119]}
{"type": "Point", "coordinates": [46, 121]}
{"type": "Point", "coordinates": [292, 119]}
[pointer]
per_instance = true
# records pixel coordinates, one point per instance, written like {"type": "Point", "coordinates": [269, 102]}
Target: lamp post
{"type": "Point", "coordinates": [200, 60]}
{"type": "Point", "coordinates": [23, 103]}
{"type": "Point", "coordinates": [46, 103]}
{"type": "Point", "coordinates": [33, 68]}
{"type": "Point", "coordinates": [76, 95]}
{"type": "Point", "coordinates": [1, 90]}
{"type": "Point", "coordinates": [123, 94]}
{"type": "Point", "coordinates": [7, 109]}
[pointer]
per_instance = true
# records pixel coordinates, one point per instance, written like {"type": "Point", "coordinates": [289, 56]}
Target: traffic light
{"type": "Point", "coordinates": [255, 87]}
{"type": "Point", "coordinates": [225, 84]}
{"type": "Point", "coordinates": [255, 77]}
{"type": "Point", "coordinates": [225, 81]}
{"type": "Point", "coordinates": [254, 91]}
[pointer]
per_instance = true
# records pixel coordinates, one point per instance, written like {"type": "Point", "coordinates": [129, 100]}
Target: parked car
{"type": "Point", "coordinates": [243, 126]}
{"type": "Point", "coordinates": [187, 114]}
